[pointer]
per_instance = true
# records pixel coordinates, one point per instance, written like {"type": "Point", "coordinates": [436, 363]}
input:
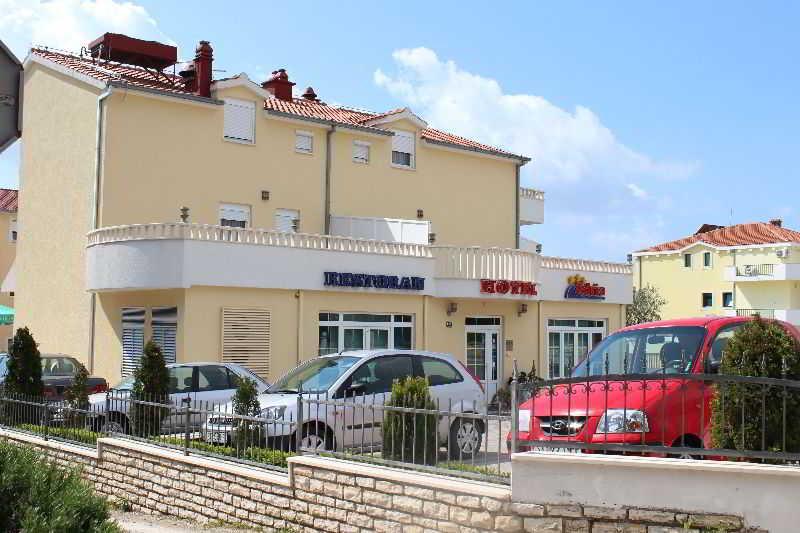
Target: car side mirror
{"type": "Point", "coordinates": [712, 366]}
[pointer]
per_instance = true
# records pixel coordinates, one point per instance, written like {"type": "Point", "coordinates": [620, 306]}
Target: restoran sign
{"type": "Point", "coordinates": [502, 286]}
{"type": "Point", "coordinates": [579, 288]}
{"type": "Point", "coordinates": [377, 281]}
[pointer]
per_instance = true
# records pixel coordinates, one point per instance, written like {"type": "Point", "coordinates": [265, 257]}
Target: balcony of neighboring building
{"type": "Point", "coordinates": [777, 271]}
{"type": "Point", "coordinates": [531, 206]}
{"type": "Point", "coordinates": [787, 315]}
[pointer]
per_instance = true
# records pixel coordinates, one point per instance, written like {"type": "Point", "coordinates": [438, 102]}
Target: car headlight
{"type": "Point", "coordinates": [622, 421]}
{"type": "Point", "coordinates": [524, 420]}
{"type": "Point", "coordinates": [273, 413]}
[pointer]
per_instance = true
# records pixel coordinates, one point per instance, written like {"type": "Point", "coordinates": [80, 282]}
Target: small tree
{"type": "Point", "coordinates": [24, 374]}
{"type": "Point", "coordinates": [245, 403]}
{"type": "Point", "coordinates": [151, 385]}
{"type": "Point", "coordinates": [410, 437]}
{"type": "Point", "coordinates": [758, 349]}
{"type": "Point", "coordinates": [77, 396]}
{"type": "Point", "coordinates": [645, 307]}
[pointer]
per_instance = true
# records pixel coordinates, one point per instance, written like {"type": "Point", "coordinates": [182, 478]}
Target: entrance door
{"type": "Point", "coordinates": [484, 357]}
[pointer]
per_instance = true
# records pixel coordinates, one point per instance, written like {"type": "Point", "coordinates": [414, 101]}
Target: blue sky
{"type": "Point", "coordinates": [643, 121]}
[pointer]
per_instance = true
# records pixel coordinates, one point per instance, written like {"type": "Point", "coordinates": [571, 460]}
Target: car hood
{"type": "Point", "coordinates": [265, 400]}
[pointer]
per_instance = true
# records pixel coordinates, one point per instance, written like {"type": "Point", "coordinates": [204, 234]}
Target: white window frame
{"type": "Point", "coordinates": [710, 264]}
{"type": "Point", "coordinates": [343, 324]}
{"type": "Point", "coordinates": [302, 134]}
{"type": "Point", "coordinates": [683, 259]}
{"type": "Point", "coordinates": [413, 160]}
{"type": "Point", "coordinates": [603, 330]}
{"type": "Point", "coordinates": [240, 106]}
{"type": "Point", "coordinates": [243, 210]}
{"type": "Point", "coordinates": [361, 145]}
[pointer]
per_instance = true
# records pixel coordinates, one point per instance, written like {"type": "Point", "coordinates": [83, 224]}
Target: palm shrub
{"type": "Point", "coordinates": [741, 412]}
{"type": "Point", "coordinates": [77, 397]}
{"type": "Point", "coordinates": [410, 437]}
{"type": "Point", "coordinates": [245, 403]}
{"type": "Point", "coordinates": [151, 385]}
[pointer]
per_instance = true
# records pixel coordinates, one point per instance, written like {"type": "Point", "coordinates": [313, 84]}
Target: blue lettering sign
{"type": "Point", "coordinates": [378, 281]}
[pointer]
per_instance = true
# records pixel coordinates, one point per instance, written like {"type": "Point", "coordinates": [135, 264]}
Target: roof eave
{"type": "Point", "coordinates": [521, 160]}
{"type": "Point", "coordinates": [328, 122]}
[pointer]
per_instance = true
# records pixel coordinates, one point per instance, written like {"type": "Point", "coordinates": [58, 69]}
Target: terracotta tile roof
{"type": "Point", "coordinates": [736, 235]}
{"type": "Point", "coordinates": [9, 199]}
{"type": "Point", "coordinates": [109, 71]}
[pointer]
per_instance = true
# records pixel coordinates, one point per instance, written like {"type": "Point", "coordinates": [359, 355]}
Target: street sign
{"type": "Point", "coordinates": [10, 97]}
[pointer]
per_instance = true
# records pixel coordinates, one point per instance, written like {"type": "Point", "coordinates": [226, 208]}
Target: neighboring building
{"type": "Point", "coordinates": [8, 251]}
{"type": "Point", "coordinates": [229, 220]}
{"type": "Point", "coordinates": [741, 269]}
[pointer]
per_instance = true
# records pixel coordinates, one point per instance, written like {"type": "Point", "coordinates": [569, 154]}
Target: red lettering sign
{"type": "Point", "coordinates": [502, 286]}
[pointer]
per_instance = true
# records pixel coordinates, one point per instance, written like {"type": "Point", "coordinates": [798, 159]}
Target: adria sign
{"type": "Point", "coordinates": [578, 287]}
{"type": "Point", "coordinates": [10, 97]}
{"type": "Point", "coordinates": [502, 286]}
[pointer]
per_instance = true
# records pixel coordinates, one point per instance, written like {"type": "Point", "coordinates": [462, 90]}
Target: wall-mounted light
{"type": "Point", "coordinates": [538, 248]}
{"type": "Point", "coordinates": [522, 309]}
{"type": "Point", "coordinates": [296, 224]}
{"type": "Point", "coordinates": [452, 308]}
{"type": "Point", "coordinates": [431, 238]}
{"type": "Point", "coordinates": [630, 258]}
{"type": "Point", "coordinates": [265, 195]}
{"type": "Point", "coordinates": [420, 213]}
{"type": "Point", "coordinates": [184, 214]}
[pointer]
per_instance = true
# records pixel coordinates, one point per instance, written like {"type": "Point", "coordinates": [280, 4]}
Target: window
{"type": "Point", "coordinates": [439, 372]}
{"type": "Point", "coordinates": [718, 347]}
{"type": "Point", "coordinates": [377, 375]}
{"type": "Point", "coordinates": [354, 331]}
{"type": "Point", "coordinates": [132, 339]}
{"type": "Point", "coordinates": [360, 152]}
{"type": "Point", "coordinates": [240, 120]}
{"type": "Point", "coordinates": [403, 149]}
{"type": "Point", "coordinates": [212, 377]}
{"type": "Point", "coordinates": [569, 341]}
{"type": "Point", "coordinates": [687, 260]}
{"type": "Point", "coordinates": [234, 215]}
{"type": "Point", "coordinates": [246, 338]}
{"type": "Point", "coordinates": [482, 321]}
{"type": "Point", "coordinates": [727, 299]}
{"type": "Point", "coordinates": [165, 331]}
{"type": "Point", "coordinates": [12, 230]}
{"type": "Point", "coordinates": [180, 379]}
{"type": "Point", "coordinates": [287, 220]}
{"type": "Point", "coordinates": [304, 142]}
{"type": "Point", "coordinates": [706, 259]}
{"type": "Point", "coordinates": [707, 300]}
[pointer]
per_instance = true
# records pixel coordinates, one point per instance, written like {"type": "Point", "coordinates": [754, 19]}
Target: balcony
{"type": "Point", "coordinates": [381, 229]}
{"type": "Point", "coordinates": [177, 255]}
{"type": "Point", "coordinates": [531, 206]}
{"type": "Point", "coordinates": [763, 272]}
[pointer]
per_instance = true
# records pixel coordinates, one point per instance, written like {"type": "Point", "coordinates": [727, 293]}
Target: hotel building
{"type": "Point", "coordinates": [231, 220]}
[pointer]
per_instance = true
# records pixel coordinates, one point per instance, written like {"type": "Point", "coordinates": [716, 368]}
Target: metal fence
{"type": "Point", "coordinates": [755, 270]}
{"type": "Point", "coordinates": [57, 420]}
{"type": "Point", "coordinates": [712, 416]}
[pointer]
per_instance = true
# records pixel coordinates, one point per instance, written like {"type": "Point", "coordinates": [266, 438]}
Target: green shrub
{"type": "Point", "coordinates": [83, 435]}
{"type": "Point", "coordinates": [77, 397]}
{"type": "Point", "coordinates": [245, 403]}
{"type": "Point", "coordinates": [151, 385]}
{"type": "Point", "coordinates": [266, 456]}
{"type": "Point", "coordinates": [410, 437]}
{"type": "Point", "coordinates": [24, 374]}
{"type": "Point", "coordinates": [36, 496]}
{"type": "Point", "coordinates": [758, 349]}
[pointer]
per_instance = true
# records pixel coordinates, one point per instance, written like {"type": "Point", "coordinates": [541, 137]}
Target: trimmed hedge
{"type": "Point", "coordinates": [36, 496]}
{"type": "Point", "coordinates": [266, 456]}
{"type": "Point", "coordinates": [74, 434]}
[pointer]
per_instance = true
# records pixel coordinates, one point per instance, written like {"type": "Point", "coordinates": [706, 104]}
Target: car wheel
{"type": "Point", "coordinates": [114, 425]}
{"type": "Point", "coordinates": [317, 438]}
{"type": "Point", "coordinates": [689, 443]}
{"type": "Point", "coordinates": [465, 439]}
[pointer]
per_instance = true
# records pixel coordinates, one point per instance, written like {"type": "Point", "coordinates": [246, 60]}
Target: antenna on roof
{"type": "Point", "coordinates": [731, 220]}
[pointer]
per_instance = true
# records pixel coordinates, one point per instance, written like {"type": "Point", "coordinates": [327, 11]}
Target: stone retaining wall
{"type": "Point", "coordinates": [322, 494]}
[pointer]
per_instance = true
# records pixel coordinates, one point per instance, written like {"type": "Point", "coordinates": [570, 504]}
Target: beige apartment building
{"type": "Point", "coordinates": [231, 220]}
{"type": "Point", "coordinates": [742, 269]}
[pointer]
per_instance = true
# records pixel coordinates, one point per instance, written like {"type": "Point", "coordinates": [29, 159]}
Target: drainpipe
{"type": "Point", "coordinates": [328, 143]}
{"type": "Point", "coordinates": [98, 171]}
{"type": "Point", "coordinates": [516, 206]}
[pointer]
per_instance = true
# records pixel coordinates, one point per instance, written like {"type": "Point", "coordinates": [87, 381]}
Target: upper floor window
{"type": "Point", "coordinates": [687, 260]}
{"type": "Point", "coordinates": [403, 144]}
{"type": "Point", "coordinates": [727, 299]}
{"type": "Point", "coordinates": [240, 121]}
{"type": "Point", "coordinates": [706, 259]}
{"type": "Point", "coordinates": [287, 220]}
{"type": "Point", "coordinates": [12, 230]}
{"type": "Point", "coordinates": [304, 142]}
{"type": "Point", "coordinates": [361, 152]}
{"type": "Point", "coordinates": [234, 215]}
{"type": "Point", "coordinates": [707, 300]}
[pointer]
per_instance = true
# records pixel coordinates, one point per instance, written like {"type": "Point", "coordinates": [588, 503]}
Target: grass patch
{"type": "Point", "coordinates": [474, 469]}
{"type": "Point", "coordinates": [265, 456]}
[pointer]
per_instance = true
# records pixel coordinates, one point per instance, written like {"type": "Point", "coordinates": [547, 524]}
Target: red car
{"type": "Point", "coordinates": [668, 409]}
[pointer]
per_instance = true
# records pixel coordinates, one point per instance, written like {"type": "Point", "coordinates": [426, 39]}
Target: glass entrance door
{"type": "Point", "coordinates": [483, 357]}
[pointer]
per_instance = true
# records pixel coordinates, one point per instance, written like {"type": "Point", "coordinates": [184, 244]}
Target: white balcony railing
{"type": "Point", "coordinates": [468, 262]}
{"type": "Point", "coordinates": [531, 206]}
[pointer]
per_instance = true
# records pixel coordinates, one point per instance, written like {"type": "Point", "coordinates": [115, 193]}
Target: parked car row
{"type": "Point", "coordinates": [58, 373]}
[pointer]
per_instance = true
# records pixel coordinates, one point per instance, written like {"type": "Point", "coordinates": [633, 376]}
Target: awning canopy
{"type": "Point", "coordinates": [6, 315]}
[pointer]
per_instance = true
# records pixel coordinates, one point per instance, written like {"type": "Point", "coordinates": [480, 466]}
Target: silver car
{"type": "Point", "coordinates": [356, 381]}
{"type": "Point", "coordinates": [203, 384]}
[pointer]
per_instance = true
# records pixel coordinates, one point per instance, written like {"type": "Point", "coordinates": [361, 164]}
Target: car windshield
{"type": "Point", "coordinates": [316, 375]}
{"type": "Point", "coordinates": [125, 384]}
{"type": "Point", "coordinates": [58, 366]}
{"type": "Point", "coordinates": [658, 350]}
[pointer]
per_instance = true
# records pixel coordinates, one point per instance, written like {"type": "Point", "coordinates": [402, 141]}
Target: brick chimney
{"type": "Point", "coordinates": [279, 85]}
{"type": "Point", "coordinates": [776, 222]}
{"type": "Point", "coordinates": [197, 77]}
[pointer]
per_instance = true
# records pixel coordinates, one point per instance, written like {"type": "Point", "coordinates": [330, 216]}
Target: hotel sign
{"type": "Point", "coordinates": [502, 286]}
{"type": "Point", "coordinates": [579, 288]}
{"type": "Point", "coordinates": [376, 281]}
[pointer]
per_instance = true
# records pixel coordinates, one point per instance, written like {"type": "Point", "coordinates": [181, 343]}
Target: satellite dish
{"type": "Point", "coordinates": [10, 97]}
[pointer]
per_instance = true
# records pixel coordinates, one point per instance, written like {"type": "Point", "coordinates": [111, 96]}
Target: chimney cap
{"type": "Point", "coordinates": [776, 222]}
{"type": "Point", "coordinates": [310, 94]}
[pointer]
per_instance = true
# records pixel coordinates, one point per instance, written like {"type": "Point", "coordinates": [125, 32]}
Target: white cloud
{"type": "Point", "coordinates": [71, 24]}
{"type": "Point", "coordinates": [588, 174]}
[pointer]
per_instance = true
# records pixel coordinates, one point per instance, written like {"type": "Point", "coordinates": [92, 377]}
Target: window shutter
{"type": "Point", "coordinates": [234, 215]}
{"type": "Point", "coordinates": [285, 220]}
{"type": "Point", "coordinates": [360, 152]}
{"type": "Point", "coordinates": [240, 120]}
{"type": "Point", "coordinates": [165, 331]}
{"type": "Point", "coordinates": [403, 142]}
{"type": "Point", "coordinates": [304, 142]}
{"type": "Point", "coordinates": [132, 339]}
{"type": "Point", "coordinates": [246, 338]}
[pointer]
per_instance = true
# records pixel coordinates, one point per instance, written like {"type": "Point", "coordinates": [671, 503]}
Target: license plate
{"type": "Point", "coordinates": [545, 449]}
{"type": "Point", "coordinates": [218, 437]}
